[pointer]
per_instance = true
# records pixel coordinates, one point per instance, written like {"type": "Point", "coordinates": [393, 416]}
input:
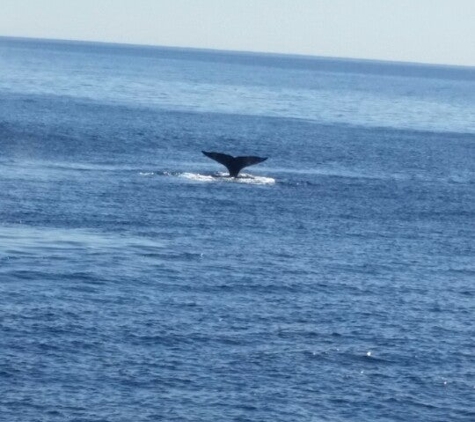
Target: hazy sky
{"type": "Point", "coordinates": [431, 31]}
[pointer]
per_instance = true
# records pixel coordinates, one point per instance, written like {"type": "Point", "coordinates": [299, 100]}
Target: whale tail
{"type": "Point", "coordinates": [234, 164]}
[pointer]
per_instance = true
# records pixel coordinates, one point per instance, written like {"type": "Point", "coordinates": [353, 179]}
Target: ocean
{"type": "Point", "coordinates": [333, 282]}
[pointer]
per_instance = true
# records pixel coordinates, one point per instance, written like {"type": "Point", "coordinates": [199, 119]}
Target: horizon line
{"type": "Point", "coordinates": [238, 52]}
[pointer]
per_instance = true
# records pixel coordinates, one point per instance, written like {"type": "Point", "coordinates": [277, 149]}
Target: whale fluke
{"type": "Point", "coordinates": [234, 164]}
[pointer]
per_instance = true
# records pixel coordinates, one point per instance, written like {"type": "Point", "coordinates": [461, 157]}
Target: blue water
{"type": "Point", "coordinates": [333, 282]}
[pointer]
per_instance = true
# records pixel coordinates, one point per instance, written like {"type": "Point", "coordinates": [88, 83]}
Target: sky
{"type": "Point", "coordinates": [423, 31]}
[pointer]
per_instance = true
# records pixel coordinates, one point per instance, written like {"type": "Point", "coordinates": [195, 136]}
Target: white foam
{"type": "Point", "coordinates": [255, 180]}
{"type": "Point", "coordinates": [222, 177]}
{"type": "Point", "coordinates": [197, 177]}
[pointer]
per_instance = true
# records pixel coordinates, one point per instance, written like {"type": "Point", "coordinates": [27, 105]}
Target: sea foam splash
{"type": "Point", "coordinates": [223, 177]}
{"type": "Point", "coordinates": [244, 178]}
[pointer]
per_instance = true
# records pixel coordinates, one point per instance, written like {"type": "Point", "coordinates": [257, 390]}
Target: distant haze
{"type": "Point", "coordinates": [424, 31]}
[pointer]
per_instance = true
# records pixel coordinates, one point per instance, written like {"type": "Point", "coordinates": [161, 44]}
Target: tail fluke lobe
{"type": "Point", "coordinates": [234, 164]}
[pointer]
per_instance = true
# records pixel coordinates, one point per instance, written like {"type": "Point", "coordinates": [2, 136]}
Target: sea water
{"type": "Point", "coordinates": [333, 282]}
